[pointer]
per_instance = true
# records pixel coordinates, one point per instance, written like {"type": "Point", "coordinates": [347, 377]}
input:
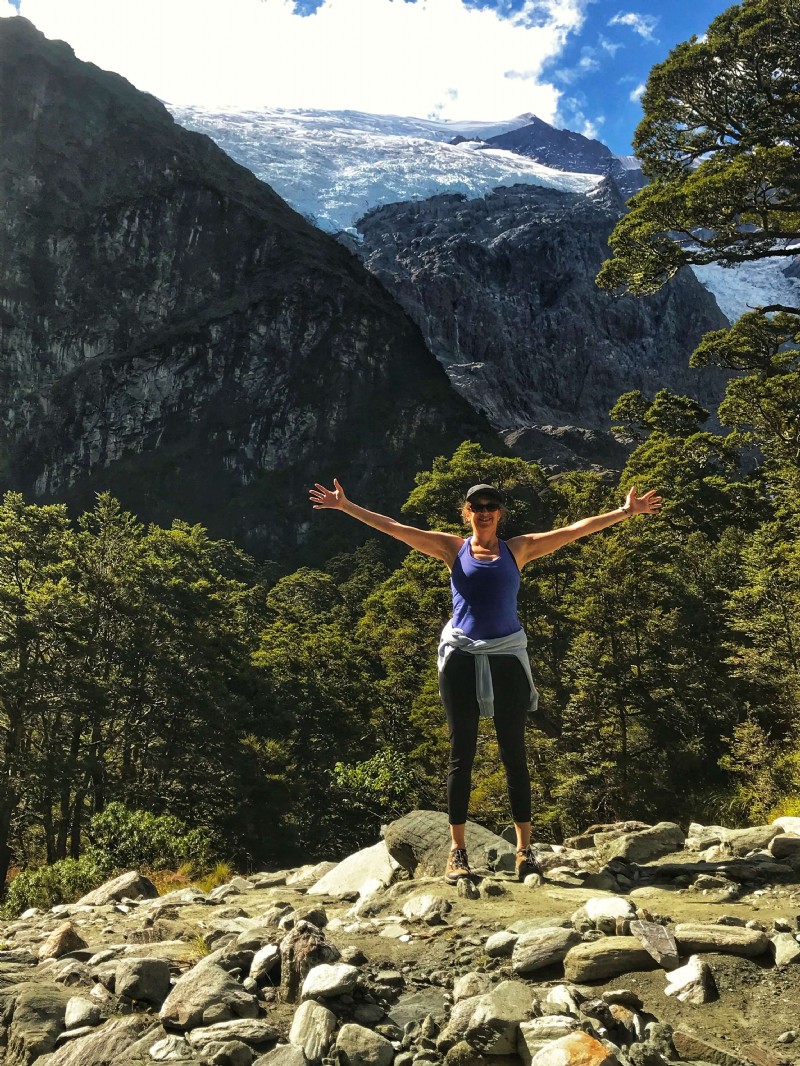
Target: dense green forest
{"type": "Point", "coordinates": [283, 716]}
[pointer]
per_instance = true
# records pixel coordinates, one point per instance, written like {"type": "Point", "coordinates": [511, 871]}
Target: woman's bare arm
{"type": "Point", "coordinates": [535, 545]}
{"type": "Point", "coordinates": [444, 546]}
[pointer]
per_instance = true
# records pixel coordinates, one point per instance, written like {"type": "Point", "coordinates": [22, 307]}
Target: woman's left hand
{"type": "Point", "coordinates": [649, 503]}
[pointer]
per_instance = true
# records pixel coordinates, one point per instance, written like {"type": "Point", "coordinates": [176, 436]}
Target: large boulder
{"type": "Point", "coordinates": [420, 843]}
{"type": "Point", "coordinates": [145, 980]}
{"type": "Point", "coordinates": [642, 845]}
{"type": "Point", "coordinates": [493, 1028]}
{"type": "Point", "coordinates": [358, 1046]}
{"type": "Point", "coordinates": [755, 838]}
{"type": "Point", "coordinates": [36, 1020]}
{"type": "Point", "coordinates": [111, 1043]}
{"type": "Point", "coordinates": [131, 885]}
{"type": "Point", "coordinates": [204, 996]}
{"type": "Point", "coordinates": [575, 1049]}
{"type": "Point", "coordinates": [607, 957]}
{"type": "Point", "coordinates": [351, 874]}
{"type": "Point", "coordinates": [312, 1029]}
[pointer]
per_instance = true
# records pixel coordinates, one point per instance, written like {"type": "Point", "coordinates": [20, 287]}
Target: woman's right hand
{"type": "Point", "coordinates": [321, 497]}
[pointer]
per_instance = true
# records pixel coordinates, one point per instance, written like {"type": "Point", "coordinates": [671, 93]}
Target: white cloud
{"type": "Point", "coordinates": [644, 25]}
{"type": "Point", "coordinates": [612, 47]}
{"type": "Point", "coordinates": [635, 95]}
{"type": "Point", "coordinates": [6, 9]}
{"type": "Point", "coordinates": [430, 57]}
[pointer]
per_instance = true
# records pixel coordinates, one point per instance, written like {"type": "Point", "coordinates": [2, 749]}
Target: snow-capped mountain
{"type": "Point", "coordinates": [333, 166]}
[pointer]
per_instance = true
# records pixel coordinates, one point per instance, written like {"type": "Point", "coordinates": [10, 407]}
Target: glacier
{"type": "Point", "coordinates": [334, 166]}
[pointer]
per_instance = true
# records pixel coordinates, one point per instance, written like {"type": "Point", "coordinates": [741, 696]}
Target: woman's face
{"type": "Point", "coordinates": [482, 519]}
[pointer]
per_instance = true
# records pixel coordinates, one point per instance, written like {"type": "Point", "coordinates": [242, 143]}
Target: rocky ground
{"type": "Point", "coordinates": [641, 947]}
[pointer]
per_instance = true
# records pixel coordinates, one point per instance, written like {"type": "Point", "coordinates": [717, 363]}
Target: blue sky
{"type": "Point", "coordinates": [576, 63]}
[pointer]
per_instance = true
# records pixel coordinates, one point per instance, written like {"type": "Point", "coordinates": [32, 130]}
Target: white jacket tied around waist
{"type": "Point", "coordinates": [514, 644]}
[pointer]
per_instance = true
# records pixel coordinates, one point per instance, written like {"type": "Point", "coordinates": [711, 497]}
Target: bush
{"type": "Point", "coordinates": [133, 838]}
{"type": "Point", "coordinates": [63, 882]}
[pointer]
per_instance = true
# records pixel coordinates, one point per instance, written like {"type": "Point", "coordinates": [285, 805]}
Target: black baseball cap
{"type": "Point", "coordinates": [485, 490]}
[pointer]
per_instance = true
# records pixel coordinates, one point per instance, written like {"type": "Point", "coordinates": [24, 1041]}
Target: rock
{"type": "Point", "coordinates": [104, 1045]}
{"type": "Point", "coordinates": [785, 846]}
{"type": "Point", "coordinates": [227, 1053]}
{"type": "Point", "coordinates": [64, 939]}
{"type": "Point", "coordinates": [204, 997]}
{"type": "Point", "coordinates": [254, 1031]}
{"type": "Point", "coordinates": [146, 980]}
{"type": "Point", "coordinates": [283, 1055]}
{"type": "Point", "coordinates": [533, 1035]}
{"type": "Point", "coordinates": [609, 957]}
{"type": "Point", "coordinates": [695, 938]}
{"type": "Point", "coordinates": [81, 1011]}
{"type": "Point", "coordinates": [35, 1022]}
{"type": "Point", "coordinates": [500, 945]}
{"type": "Point", "coordinates": [172, 1048]}
{"type": "Point", "coordinates": [643, 845]}
{"type": "Point", "coordinates": [467, 889]}
{"type": "Point", "coordinates": [131, 885]}
{"type": "Point", "coordinates": [309, 874]}
{"type": "Point", "coordinates": [613, 907]}
{"type": "Point", "coordinates": [369, 864]}
{"type": "Point", "coordinates": [420, 843]}
{"type": "Point", "coordinates": [742, 841]}
{"type": "Point", "coordinates": [427, 908]}
{"type": "Point", "coordinates": [471, 984]}
{"type": "Point", "coordinates": [701, 837]}
{"type": "Point", "coordinates": [785, 948]}
{"type": "Point", "coordinates": [265, 961]}
{"type": "Point", "coordinates": [560, 999]}
{"type": "Point", "coordinates": [303, 948]}
{"type": "Point", "coordinates": [312, 1029]}
{"type": "Point", "coordinates": [690, 1047]}
{"type": "Point", "coordinates": [575, 1049]}
{"type": "Point", "coordinates": [358, 1046]}
{"type": "Point", "coordinates": [788, 823]}
{"type": "Point", "coordinates": [325, 981]}
{"type": "Point", "coordinates": [693, 983]}
{"type": "Point", "coordinates": [543, 947]}
{"type": "Point", "coordinates": [659, 941]}
{"type": "Point", "coordinates": [495, 1019]}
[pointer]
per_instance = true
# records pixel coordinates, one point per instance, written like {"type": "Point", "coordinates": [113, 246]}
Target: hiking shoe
{"type": "Point", "coordinates": [457, 866]}
{"type": "Point", "coordinates": [528, 863]}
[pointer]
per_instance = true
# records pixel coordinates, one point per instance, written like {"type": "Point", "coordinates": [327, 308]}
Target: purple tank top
{"type": "Point", "coordinates": [485, 594]}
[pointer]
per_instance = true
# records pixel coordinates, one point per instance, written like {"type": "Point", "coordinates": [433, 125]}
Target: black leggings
{"type": "Point", "coordinates": [512, 697]}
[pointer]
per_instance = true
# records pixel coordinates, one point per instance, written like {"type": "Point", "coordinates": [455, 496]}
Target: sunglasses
{"type": "Point", "coordinates": [484, 506]}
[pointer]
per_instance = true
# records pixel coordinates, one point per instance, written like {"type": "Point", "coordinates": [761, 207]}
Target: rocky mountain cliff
{"type": "Point", "coordinates": [570, 151]}
{"type": "Point", "coordinates": [171, 330]}
{"type": "Point", "coordinates": [503, 290]}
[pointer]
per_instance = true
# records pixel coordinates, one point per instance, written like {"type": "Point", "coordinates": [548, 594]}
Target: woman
{"type": "Point", "coordinates": [483, 662]}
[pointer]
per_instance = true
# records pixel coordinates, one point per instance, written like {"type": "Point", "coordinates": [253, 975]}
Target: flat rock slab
{"type": "Point", "coordinates": [659, 941]}
{"type": "Point", "coordinates": [609, 957]}
{"type": "Point", "coordinates": [690, 1047]}
{"type": "Point", "coordinates": [63, 940]}
{"type": "Point", "coordinates": [695, 938]}
{"type": "Point", "coordinates": [420, 843]}
{"type": "Point", "coordinates": [352, 873]}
